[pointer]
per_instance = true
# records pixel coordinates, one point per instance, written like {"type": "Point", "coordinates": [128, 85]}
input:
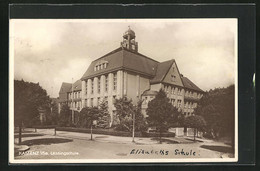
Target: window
{"type": "Point", "coordinates": [106, 83]}
{"type": "Point", "coordinates": [173, 77]}
{"type": "Point", "coordinates": [100, 65]}
{"type": "Point", "coordinates": [98, 101]}
{"type": "Point", "coordinates": [91, 102]}
{"type": "Point", "coordinates": [115, 81]}
{"type": "Point", "coordinates": [98, 85]}
{"type": "Point", "coordinates": [172, 101]}
{"type": "Point", "coordinates": [179, 91]}
{"type": "Point", "coordinates": [179, 103]}
{"type": "Point", "coordinates": [114, 99]}
{"type": "Point", "coordinates": [145, 100]}
{"type": "Point", "coordinates": [92, 86]}
{"type": "Point", "coordinates": [86, 88]}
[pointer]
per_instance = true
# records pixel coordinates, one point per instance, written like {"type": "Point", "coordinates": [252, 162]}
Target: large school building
{"type": "Point", "coordinates": [126, 72]}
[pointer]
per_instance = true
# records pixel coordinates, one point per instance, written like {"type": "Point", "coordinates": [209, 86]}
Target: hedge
{"type": "Point", "coordinates": [113, 132]}
{"type": "Point", "coordinates": [44, 127]}
{"type": "Point", "coordinates": [156, 134]}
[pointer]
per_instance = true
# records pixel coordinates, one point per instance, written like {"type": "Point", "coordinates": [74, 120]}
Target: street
{"type": "Point", "coordinates": [44, 144]}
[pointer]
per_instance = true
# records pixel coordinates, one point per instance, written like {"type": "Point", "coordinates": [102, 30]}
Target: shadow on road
{"type": "Point", "coordinates": [28, 135]}
{"type": "Point", "coordinates": [164, 140]}
{"type": "Point", "coordinates": [223, 149]}
{"type": "Point", "coordinates": [45, 141]}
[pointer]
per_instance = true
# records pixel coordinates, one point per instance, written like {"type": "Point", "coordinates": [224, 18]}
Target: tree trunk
{"type": "Point", "coordinates": [194, 131]}
{"type": "Point", "coordinates": [91, 132]}
{"type": "Point", "coordinates": [20, 134]}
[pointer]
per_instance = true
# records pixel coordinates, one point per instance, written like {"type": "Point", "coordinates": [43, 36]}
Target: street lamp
{"type": "Point", "coordinates": [133, 125]}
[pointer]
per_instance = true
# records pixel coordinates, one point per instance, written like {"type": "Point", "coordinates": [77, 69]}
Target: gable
{"type": "Point", "coordinates": [161, 71]}
{"type": "Point", "coordinates": [65, 87]}
{"type": "Point", "coordinates": [173, 76]}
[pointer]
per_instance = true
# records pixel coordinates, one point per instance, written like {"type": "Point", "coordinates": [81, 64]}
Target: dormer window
{"type": "Point", "coordinates": [173, 77]}
{"type": "Point", "coordinates": [102, 64]}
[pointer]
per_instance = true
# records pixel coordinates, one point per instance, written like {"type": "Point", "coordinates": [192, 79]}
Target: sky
{"type": "Point", "coordinates": [54, 51]}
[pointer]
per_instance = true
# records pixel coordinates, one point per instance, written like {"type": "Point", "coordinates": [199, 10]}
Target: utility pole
{"type": "Point", "coordinates": [72, 109]}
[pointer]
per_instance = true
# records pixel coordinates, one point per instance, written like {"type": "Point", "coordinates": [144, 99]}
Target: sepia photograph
{"type": "Point", "coordinates": [123, 90]}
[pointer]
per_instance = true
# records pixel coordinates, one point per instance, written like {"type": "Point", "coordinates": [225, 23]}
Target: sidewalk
{"type": "Point", "coordinates": [112, 139]}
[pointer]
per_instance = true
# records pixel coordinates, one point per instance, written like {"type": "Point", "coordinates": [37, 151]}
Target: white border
{"type": "Point", "coordinates": [183, 160]}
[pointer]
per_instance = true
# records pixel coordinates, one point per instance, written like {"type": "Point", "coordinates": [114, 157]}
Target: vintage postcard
{"type": "Point", "coordinates": [123, 90]}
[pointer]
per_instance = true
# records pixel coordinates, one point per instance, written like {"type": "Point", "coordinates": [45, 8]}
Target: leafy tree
{"type": "Point", "coordinates": [125, 110]}
{"type": "Point", "coordinates": [52, 117]}
{"type": "Point", "coordinates": [64, 116]}
{"type": "Point", "coordinates": [28, 98]}
{"type": "Point", "coordinates": [196, 122]}
{"type": "Point", "coordinates": [218, 109]}
{"type": "Point", "coordinates": [161, 113]}
{"type": "Point", "coordinates": [103, 120]}
{"type": "Point", "coordinates": [88, 115]}
{"type": "Point", "coordinates": [140, 121]}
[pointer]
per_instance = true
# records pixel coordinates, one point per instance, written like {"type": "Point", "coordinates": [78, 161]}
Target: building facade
{"type": "Point", "coordinates": [126, 72]}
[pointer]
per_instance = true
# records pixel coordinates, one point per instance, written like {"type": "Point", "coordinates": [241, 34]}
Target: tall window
{"type": "Point", "coordinates": [115, 81]}
{"type": "Point", "coordinates": [98, 101]}
{"type": "Point", "coordinates": [91, 102]}
{"type": "Point", "coordinates": [179, 103]}
{"type": "Point", "coordinates": [86, 89]}
{"type": "Point", "coordinates": [98, 85]}
{"type": "Point", "coordinates": [106, 83]}
{"type": "Point", "coordinates": [114, 99]}
{"type": "Point", "coordinates": [92, 86]}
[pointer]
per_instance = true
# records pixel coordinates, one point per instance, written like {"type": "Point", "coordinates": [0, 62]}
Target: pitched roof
{"type": "Point", "coordinates": [162, 70]}
{"type": "Point", "coordinates": [65, 87]}
{"type": "Point", "coordinates": [76, 86]}
{"type": "Point", "coordinates": [190, 85]}
{"type": "Point", "coordinates": [122, 58]}
{"type": "Point", "coordinates": [150, 93]}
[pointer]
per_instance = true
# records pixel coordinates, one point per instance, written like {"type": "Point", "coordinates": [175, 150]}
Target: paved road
{"type": "Point", "coordinates": [71, 145]}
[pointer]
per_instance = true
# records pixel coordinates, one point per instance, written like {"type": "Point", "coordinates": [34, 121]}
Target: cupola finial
{"type": "Point", "coordinates": [129, 40]}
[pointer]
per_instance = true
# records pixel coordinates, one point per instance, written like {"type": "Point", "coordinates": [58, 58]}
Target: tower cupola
{"type": "Point", "coordinates": [129, 40]}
